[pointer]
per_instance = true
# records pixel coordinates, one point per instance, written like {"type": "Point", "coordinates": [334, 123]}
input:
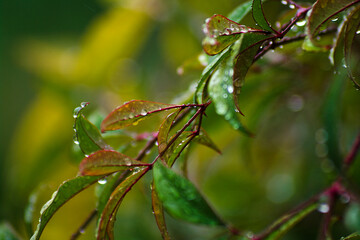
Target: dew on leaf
{"type": "Point", "coordinates": [230, 89]}
{"type": "Point", "coordinates": [284, 2]}
{"type": "Point", "coordinates": [102, 181]}
{"type": "Point", "coordinates": [301, 23]}
{"type": "Point", "coordinates": [76, 111]}
{"type": "Point", "coordinates": [292, 6]}
{"type": "Point", "coordinates": [84, 104]}
{"type": "Point", "coordinates": [323, 208]}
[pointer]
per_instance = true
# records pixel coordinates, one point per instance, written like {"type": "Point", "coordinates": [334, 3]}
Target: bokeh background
{"type": "Point", "coordinates": [56, 54]}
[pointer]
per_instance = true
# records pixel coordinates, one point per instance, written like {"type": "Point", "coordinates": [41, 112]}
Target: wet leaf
{"type": "Point", "coordinates": [105, 189]}
{"type": "Point", "coordinates": [65, 192]}
{"type": "Point", "coordinates": [246, 49]}
{"type": "Point", "coordinates": [204, 139]}
{"type": "Point", "coordinates": [181, 199]}
{"type": "Point", "coordinates": [259, 17]}
{"type": "Point", "coordinates": [221, 32]}
{"type": "Point", "coordinates": [322, 11]}
{"type": "Point", "coordinates": [131, 113]}
{"type": "Point", "coordinates": [240, 12]}
{"type": "Point", "coordinates": [7, 232]}
{"type": "Point", "coordinates": [289, 221]}
{"type": "Point", "coordinates": [221, 91]}
{"type": "Point", "coordinates": [105, 162]}
{"type": "Point", "coordinates": [176, 148]}
{"type": "Point", "coordinates": [158, 211]}
{"type": "Point", "coordinates": [352, 26]}
{"type": "Point", "coordinates": [86, 134]}
{"type": "Point", "coordinates": [354, 236]}
{"type": "Point", "coordinates": [163, 134]}
{"type": "Point", "coordinates": [108, 216]}
{"type": "Point", "coordinates": [201, 93]}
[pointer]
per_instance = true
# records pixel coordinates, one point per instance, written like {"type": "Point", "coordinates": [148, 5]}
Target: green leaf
{"type": "Point", "coordinates": [322, 11]}
{"type": "Point", "coordinates": [354, 236]}
{"type": "Point", "coordinates": [7, 232]}
{"type": "Point", "coordinates": [331, 116]}
{"type": "Point", "coordinates": [246, 49]}
{"type": "Point", "coordinates": [105, 162]}
{"type": "Point", "coordinates": [108, 216]}
{"type": "Point", "coordinates": [158, 211]}
{"type": "Point", "coordinates": [283, 225]}
{"type": "Point", "coordinates": [176, 148]}
{"type": "Point", "coordinates": [181, 199]}
{"type": "Point", "coordinates": [204, 139]}
{"type": "Point", "coordinates": [86, 134]}
{"type": "Point", "coordinates": [221, 91]}
{"type": "Point", "coordinates": [200, 93]}
{"type": "Point", "coordinates": [259, 17]}
{"type": "Point", "coordinates": [131, 113]}
{"type": "Point", "coordinates": [105, 188]}
{"type": "Point", "coordinates": [352, 26]}
{"type": "Point", "coordinates": [240, 12]}
{"type": "Point", "coordinates": [65, 192]}
{"type": "Point", "coordinates": [163, 134]}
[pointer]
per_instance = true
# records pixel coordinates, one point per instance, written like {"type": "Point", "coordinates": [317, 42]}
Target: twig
{"type": "Point", "coordinates": [352, 154]}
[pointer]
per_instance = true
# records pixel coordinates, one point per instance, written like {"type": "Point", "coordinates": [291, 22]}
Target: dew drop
{"type": "Point", "coordinates": [230, 89]}
{"type": "Point", "coordinates": [335, 19]}
{"type": "Point", "coordinates": [323, 208]}
{"type": "Point", "coordinates": [76, 112]}
{"type": "Point", "coordinates": [143, 112]}
{"type": "Point", "coordinates": [225, 95]}
{"type": "Point", "coordinates": [358, 32]}
{"type": "Point", "coordinates": [102, 181]}
{"type": "Point", "coordinates": [76, 142]}
{"type": "Point", "coordinates": [301, 23]}
{"type": "Point", "coordinates": [84, 104]}
{"type": "Point", "coordinates": [292, 6]}
{"type": "Point", "coordinates": [284, 2]}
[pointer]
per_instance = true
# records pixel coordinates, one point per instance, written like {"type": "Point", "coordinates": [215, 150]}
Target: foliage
{"type": "Point", "coordinates": [233, 48]}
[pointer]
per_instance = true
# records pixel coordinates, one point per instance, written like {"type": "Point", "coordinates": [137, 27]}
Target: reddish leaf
{"type": "Point", "coordinates": [204, 139]}
{"type": "Point", "coordinates": [322, 11]}
{"type": "Point", "coordinates": [105, 162]}
{"type": "Point", "coordinates": [164, 129]}
{"type": "Point", "coordinates": [221, 32]}
{"type": "Point", "coordinates": [108, 216]}
{"type": "Point", "coordinates": [158, 211]}
{"type": "Point", "coordinates": [352, 26]}
{"type": "Point", "coordinates": [131, 113]}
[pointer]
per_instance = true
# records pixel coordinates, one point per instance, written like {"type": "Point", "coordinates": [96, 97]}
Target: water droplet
{"type": "Point", "coordinates": [143, 112]}
{"type": "Point", "coordinates": [323, 208]}
{"type": "Point", "coordinates": [82, 231]}
{"type": "Point", "coordinates": [292, 6]}
{"type": "Point", "coordinates": [230, 89]}
{"type": "Point", "coordinates": [225, 95]}
{"type": "Point", "coordinates": [131, 115]}
{"type": "Point", "coordinates": [358, 32]}
{"type": "Point", "coordinates": [281, 46]}
{"type": "Point", "coordinates": [76, 111]}
{"type": "Point", "coordinates": [102, 181]}
{"type": "Point", "coordinates": [212, 41]}
{"type": "Point", "coordinates": [84, 104]}
{"type": "Point", "coordinates": [284, 2]}
{"type": "Point", "coordinates": [335, 19]}
{"type": "Point", "coordinates": [76, 142]}
{"type": "Point", "coordinates": [345, 198]}
{"type": "Point", "coordinates": [301, 23]}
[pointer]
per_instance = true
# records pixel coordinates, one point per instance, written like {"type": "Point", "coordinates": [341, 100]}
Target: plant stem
{"type": "Point", "coordinates": [82, 228]}
{"type": "Point", "coordinates": [352, 154]}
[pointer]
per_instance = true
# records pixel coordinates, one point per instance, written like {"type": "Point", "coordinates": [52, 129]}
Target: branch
{"type": "Point", "coordinates": [352, 154]}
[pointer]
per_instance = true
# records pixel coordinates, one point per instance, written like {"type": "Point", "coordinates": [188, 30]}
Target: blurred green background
{"type": "Point", "coordinates": [57, 54]}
